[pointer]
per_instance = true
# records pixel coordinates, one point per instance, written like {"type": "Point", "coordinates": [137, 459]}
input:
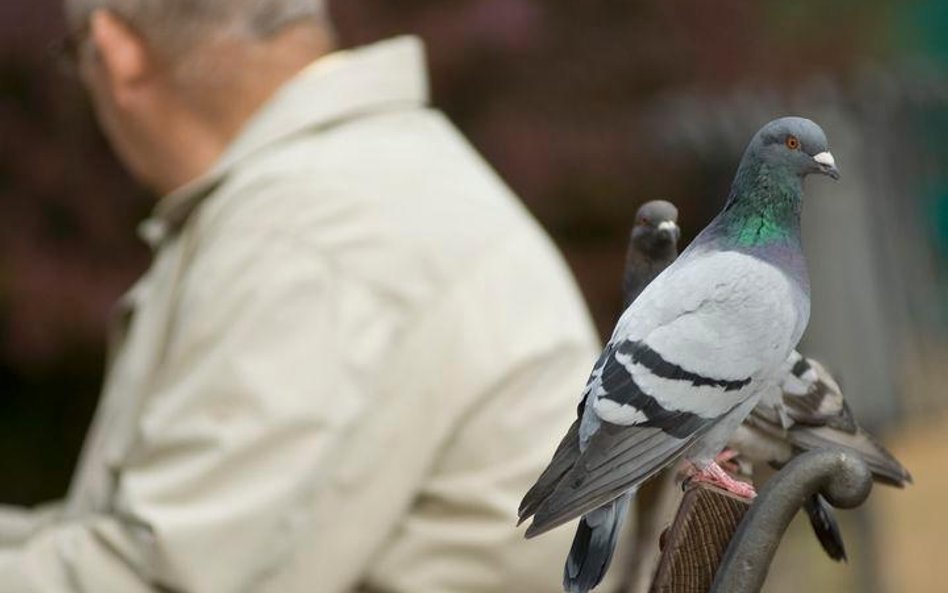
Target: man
{"type": "Point", "coordinates": [354, 350]}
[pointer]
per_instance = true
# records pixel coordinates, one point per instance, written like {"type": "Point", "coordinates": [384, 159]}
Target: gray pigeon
{"type": "Point", "coordinates": [810, 413]}
{"type": "Point", "coordinates": [653, 246]}
{"type": "Point", "coordinates": [691, 356]}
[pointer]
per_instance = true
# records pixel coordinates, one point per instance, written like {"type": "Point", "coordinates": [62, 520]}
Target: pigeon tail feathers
{"type": "Point", "coordinates": [593, 545]}
{"type": "Point", "coordinates": [825, 527]}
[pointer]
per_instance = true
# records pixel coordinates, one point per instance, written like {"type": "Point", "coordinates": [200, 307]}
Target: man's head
{"type": "Point", "coordinates": [173, 81]}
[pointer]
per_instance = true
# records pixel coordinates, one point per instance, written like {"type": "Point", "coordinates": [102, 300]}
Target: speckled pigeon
{"type": "Point", "coordinates": [811, 413]}
{"type": "Point", "coordinates": [691, 356]}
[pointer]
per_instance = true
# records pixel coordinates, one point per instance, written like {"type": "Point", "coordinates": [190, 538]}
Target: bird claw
{"type": "Point", "coordinates": [726, 459]}
{"type": "Point", "coordinates": [714, 475]}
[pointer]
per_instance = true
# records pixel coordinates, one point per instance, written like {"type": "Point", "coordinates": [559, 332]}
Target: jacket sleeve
{"type": "Point", "coordinates": [17, 524]}
{"type": "Point", "coordinates": [234, 438]}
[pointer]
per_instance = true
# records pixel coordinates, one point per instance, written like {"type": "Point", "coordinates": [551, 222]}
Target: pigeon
{"type": "Point", "coordinates": [691, 356]}
{"type": "Point", "coordinates": [653, 246]}
{"type": "Point", "coordinates": [811, 412]}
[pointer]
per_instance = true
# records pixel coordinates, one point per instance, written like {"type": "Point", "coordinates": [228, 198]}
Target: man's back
{"type": "Point", "coordinates": [457, 336]}
{"type": "Point", "coordinates": [352, 355]}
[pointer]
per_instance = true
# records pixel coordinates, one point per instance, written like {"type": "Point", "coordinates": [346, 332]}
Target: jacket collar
{"type": "Point", "coordinates": [337, 87]}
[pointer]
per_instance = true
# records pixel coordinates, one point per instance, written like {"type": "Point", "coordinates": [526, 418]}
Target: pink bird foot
{"type": "Point", "coordinates": [714, 475]}
{"type": "Point", "coordinates": [726, 459]}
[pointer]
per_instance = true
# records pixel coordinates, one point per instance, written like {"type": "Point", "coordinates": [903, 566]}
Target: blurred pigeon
{"type": "Point", "coordinates": [811, 413]}
{"type": "Point", "coordinates": [653, 246]}
{"type": "Point", "coordinates": [691, 356]}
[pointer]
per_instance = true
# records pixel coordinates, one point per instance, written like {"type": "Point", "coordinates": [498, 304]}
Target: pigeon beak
{"type": "Point", "coordinates": [827, 164]}
{"type": "Point", "coordinates": [669, 229]}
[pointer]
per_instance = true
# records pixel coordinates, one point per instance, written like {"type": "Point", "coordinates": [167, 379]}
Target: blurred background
{"type": "Point", "coordinates": [587, 109]}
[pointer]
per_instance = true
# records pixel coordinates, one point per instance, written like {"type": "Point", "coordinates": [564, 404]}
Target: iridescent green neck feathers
{"type": "Point", "coordinates": [763, 208]}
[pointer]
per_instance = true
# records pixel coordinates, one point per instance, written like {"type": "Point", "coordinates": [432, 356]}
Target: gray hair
{"type": "Point", "coordinates": [177, 25]}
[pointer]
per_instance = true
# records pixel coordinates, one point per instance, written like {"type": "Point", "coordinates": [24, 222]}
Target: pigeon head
{"type": "Point", "coordinates": [653, 246]}
{"type": "Point", "coordinates": [764, 206]}
{"type": "Point", "coordinates": [656, 227]}
{"type": "Point", "coordinates": [793, 145]}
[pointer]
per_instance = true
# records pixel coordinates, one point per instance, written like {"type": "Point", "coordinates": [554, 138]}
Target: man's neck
{"type": "Point", "coordinates": [206, 116]}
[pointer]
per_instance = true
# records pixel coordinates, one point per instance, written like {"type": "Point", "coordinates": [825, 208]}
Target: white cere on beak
{"type": "Point", "coordinates": [825, 158]}
{"type": "Point", "coordinates": [667, 225]}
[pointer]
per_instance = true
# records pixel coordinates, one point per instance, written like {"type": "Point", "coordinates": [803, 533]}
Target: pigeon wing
{"type": "Point", "coordinates": [651, 409]}
{"type": "Point", "coordinates": [883, 465]}
{"type": "Point", "coordinates": [821, 418]}
{"type": "Point", "coordinates": [674, 367]}
{"type": "Point", "coordinates": [811, 396]}
{"type": "Point", "coordinates": [565, 457]}
{"type": "Point", "coordinates": [617, 458]}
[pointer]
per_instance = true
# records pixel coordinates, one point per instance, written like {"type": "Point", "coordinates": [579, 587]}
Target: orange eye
{"type": "Point", "coordinates": [792, 142]}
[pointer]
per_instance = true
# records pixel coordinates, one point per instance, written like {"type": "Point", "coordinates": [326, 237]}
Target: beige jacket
{"type": "Point", "coordinates": [352, 355]}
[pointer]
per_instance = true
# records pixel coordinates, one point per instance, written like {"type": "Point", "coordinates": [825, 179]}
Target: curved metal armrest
{"type": "Point", "coordinates": [843, 479]}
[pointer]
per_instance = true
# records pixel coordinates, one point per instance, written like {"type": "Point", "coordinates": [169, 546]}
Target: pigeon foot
{"type": "Point", "coordinates": [714, 475]}
{"type": "Point", "coordinates": [726, 459]}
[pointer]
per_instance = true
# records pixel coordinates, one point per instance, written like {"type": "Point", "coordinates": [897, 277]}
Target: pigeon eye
{"type": "Point", "coordinates": [792, 142]}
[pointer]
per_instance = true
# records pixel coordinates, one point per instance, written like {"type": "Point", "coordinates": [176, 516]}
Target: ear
{"type": "Point", "coordinates": [123, 59]}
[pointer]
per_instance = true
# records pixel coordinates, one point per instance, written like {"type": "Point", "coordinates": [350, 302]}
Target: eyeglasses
{"type": "Point", "coordinates": [65, 51]}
